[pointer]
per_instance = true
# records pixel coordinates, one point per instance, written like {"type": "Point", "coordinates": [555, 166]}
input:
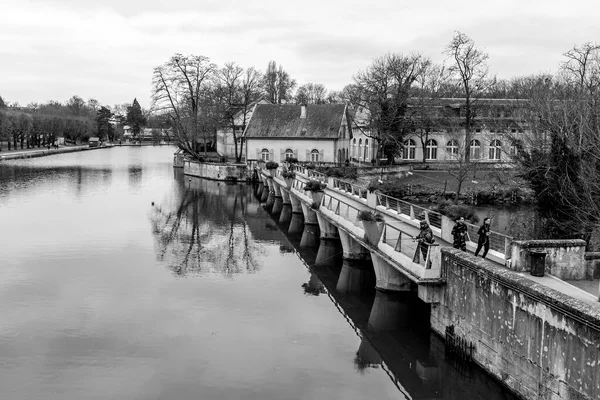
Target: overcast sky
{"type": "Point", "coordinates": [106, 49]}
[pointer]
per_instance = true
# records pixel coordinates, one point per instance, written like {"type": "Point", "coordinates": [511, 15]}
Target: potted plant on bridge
{"type": "Point", "coordinates": [316, 190]}
{"type": "Point", "coordinates": [271, 166]}
{"type": "Point", "coordinates": [288, 176]}
{"type": "Point", "coordinates": [372, 224]}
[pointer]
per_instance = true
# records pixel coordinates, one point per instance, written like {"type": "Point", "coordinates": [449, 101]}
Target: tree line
{"type": "Point", "coordinates": [40, 125]}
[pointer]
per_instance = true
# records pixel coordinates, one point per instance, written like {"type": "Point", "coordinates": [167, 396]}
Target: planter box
{"type": "Point", "coordinates": [373, 230]}
{"type": "Point", "coordinates": [289, 182]}
{"type": "Point", "coordinates": [317, 197]}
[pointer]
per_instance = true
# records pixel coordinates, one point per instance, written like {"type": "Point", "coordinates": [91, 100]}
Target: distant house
{"type": "Point", "coordinates": [315, 133]}
{"type": "Point", "coordinates": [146, 134]}
{"type": "Point", "coordinates": [94, 142]}
{"type": "Point", "coordinates": [241, 117]}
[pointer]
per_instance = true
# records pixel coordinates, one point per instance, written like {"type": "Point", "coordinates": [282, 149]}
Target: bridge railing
{"type": "Point", "coordinates": [341, 208]}
{"type": "Point", "coordinates": [410, 210]}
{"type": "Point", "coordinates": [498, 241]}
{"type": "Point", "coordinates": [352, 188]}
{"type": "Point", "coordinates": [311, 173]}
{"type": "Point", "coordinates": [403, 242]}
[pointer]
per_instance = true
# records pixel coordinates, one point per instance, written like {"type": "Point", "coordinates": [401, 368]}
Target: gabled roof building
{"type": "Point", "coordinates": [314, 133]}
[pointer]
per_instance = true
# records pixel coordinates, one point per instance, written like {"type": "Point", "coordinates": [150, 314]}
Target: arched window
{"type": "Point", "coordinates": [431, 150]}
{"type": "Point", "coordinates": [340, 160]}
{"type": "Point", "coordinates": [475, 152]}
{"type": "Point", "coordinates": [366, 149]}
{"type": "Point", "coordinates": [264, 155]}
{"type": "Point", "coordinates": [452, 147]}
{"type": "Point", "coordinates": [408, 150]}
{"type": "Point", "coordinates": [354, 147]}
{"type": "Point", "coordinates": [289, 153]}
{"type": "Point", "coordinates": [314, 156]}
{"type": "Point", "coordinates": [515, 148]}
{"type": "Point", "coordinates": [359, 148]}
{"type": "Point", "coordinates": [495, 149]}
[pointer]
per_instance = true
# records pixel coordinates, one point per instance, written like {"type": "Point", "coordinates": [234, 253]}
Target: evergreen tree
{"type": "Point", "coordinates": [135, 118]}
{"type": "Point", "coordinates": [104, 127]}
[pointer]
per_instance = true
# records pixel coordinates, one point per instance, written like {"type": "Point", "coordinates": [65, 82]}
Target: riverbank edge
{"type": "Point", "coordinates": [44, 153]}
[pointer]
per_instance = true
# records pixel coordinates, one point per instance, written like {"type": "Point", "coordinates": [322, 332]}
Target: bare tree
{"type": "Point", "coordinates": [240, 88]}
{"type": "Point", "coordinates": [311, 93]}
{"type": "Point", "coordinates": [562, 160]}
{"type": "Point", "coordinates": [469, 68]}
{"type": "Point", "coordinates": [178, 89]}
{"type": "Point", "coordinates": [425, 104]}
{"type": "Point", "coordinates": [278, 84]}
{"type": "Point", "coordinates": [383, 90]}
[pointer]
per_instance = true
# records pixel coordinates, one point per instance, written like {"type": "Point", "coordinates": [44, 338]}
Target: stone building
{"type": "Point", "coordinates": [313, 133]}
{"type": "Point", "coordinates": [499, 130]}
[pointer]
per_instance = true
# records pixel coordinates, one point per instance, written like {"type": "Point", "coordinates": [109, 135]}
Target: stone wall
{"type": "Point", "coordinates": [178, 160]}
{"type": "Point", "coordinates": [540, 343]}
{"type": "Point", "coordinates": [220, 172]}
{"type": "Point", "coordinates": [564, 259]}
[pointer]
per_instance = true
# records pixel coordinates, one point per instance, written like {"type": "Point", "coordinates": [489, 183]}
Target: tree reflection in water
{"type": "Point", "coordinates": [192, 230]}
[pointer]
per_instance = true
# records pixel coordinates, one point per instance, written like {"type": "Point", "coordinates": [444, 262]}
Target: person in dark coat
{"type": "Point", "coordinates": [459, 234]}
{"type": "Point", "coordinates": [424, 238]}
{"type": "Point", "coordinates": [484, 238]}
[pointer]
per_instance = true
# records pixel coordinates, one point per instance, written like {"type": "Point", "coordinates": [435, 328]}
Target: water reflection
{"type": "Point", "coordinates": [310, 236]}
{"type": "Point", "coordinates": [296, 224]}
{"type": "Point", "coordinates": [277, 207]}
{"type": "Point", "coordinates": [190, 240]}
{"type": "Point", "coordinates": [329, 253]}
{"type": "Point", "coordinates": [355, 277]}
{"type": "Point", "coordinates": [286, 214]}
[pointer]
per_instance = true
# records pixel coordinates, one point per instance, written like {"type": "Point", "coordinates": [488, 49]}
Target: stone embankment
{"type": "Point", "coordinates": [42, 152]}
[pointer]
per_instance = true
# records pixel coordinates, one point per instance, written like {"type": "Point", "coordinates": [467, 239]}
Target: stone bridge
{"type": "Point", "coordinates": [398, 263]}
{"type": "Point", "coordinates": [538, 335]}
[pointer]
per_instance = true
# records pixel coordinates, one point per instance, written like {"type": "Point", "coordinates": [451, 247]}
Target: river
{"type": "Point", "coordinates": [121, 278]}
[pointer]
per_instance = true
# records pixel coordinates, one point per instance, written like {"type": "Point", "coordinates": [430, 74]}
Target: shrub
{"type": "Point", "coordinates": [310, 166]}
{"type": "Point", "coordinates": [314, 186]}
{"type": "Point", "coordinates": [339, 172]}
{"type": "Point", "coordinates": [288, 174]}
{"type": "Point", "coordinates": [367, 215]}
{"type": "Point", "coordinates": [393, 188]}
{"type": "Point", "coordinates": [455, 211]}
{"type": "Point", "coordinates": [292, 160]}
{"type": "Point", "coordinates": [271, 165]}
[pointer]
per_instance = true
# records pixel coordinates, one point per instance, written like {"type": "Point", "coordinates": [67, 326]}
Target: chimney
{"type": "Point", "coordinates": [303, 111]}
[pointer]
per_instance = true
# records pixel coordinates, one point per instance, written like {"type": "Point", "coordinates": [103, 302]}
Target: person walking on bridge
{"type": "Point", "coordinates": [425, 239]}
{"type": "Point", "coordinates": [459, 234]}
{"type": "Point", "coordinates": [484, 238]}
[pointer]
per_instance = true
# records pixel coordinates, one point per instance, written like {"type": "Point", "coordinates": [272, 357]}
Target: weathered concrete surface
{"type": "Point", "coordinates": [564, 258]}
{"type": "Point", "coordinates": [352, 249]}
{"type": "Point", "coordinates": [541, 343]}
{"type": "Point", "coordinates": [592, 264]}
{"type": "Point", "coordinates": [178, 161]}
{"type": "Point", "coordinates": [214, 171]}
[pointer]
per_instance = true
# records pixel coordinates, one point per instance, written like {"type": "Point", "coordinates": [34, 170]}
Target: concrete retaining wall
{"type": "Point", "coordinates": [564, 260]}
{"type": "Point", "coordinates": [539, 342]}
{"type": "Point", "coordinates": [220, 172]}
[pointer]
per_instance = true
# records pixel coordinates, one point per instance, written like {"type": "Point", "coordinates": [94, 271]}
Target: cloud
{"type": "Point", "coordinates": [114, 45]}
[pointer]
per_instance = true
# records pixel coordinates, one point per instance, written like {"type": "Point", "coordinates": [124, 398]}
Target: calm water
{"type": "Point", "coordinates": [121, 278]}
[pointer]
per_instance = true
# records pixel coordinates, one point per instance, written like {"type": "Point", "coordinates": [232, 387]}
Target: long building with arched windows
{"type": "Point", "coordinates": [500, 128]}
